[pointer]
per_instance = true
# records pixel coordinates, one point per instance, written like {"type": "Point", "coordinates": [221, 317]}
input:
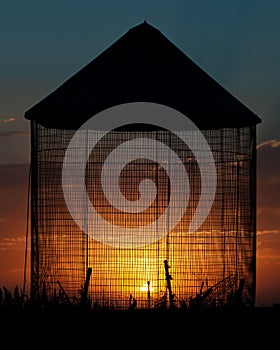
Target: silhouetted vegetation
{"type": "Point", "coordinates": [59, 319]}
{"type": "Point", "coordinates": [16, 299]}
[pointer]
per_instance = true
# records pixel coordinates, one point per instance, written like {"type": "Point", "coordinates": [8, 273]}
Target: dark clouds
{"type": "Point", "coordinates": [13, 222]}
{"type": "Point", "coordinates": [13, 199]}
{"type": "Point", "coordinates": [268, 223]}
{"type": "Point", "coordinates": [14, 146]}
{"type": "Point", "coordinates": [13, 176]}
{"type": "Point", "coordinates": [268, 185]}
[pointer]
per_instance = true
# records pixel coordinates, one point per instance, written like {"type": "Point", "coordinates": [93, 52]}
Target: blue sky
{"type": "Point", "coordinates": [44, 43]}
{"type": "Point", "coordinates": [236, 42]}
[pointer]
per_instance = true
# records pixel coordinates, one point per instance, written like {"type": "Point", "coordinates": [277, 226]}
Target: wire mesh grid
{"type": "Point", "coordinates": [210, 261]}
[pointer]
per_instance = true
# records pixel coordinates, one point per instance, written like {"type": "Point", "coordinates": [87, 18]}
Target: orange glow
{"type": "Point", "coordinates": [146, 288]}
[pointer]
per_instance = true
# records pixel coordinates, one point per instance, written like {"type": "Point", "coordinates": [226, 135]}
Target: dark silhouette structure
{"type": "Point", "coordinates": [209, 265]}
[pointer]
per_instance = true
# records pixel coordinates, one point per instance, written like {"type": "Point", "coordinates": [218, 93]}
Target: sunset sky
{"type": "Point", "coordinates": [45, 43]}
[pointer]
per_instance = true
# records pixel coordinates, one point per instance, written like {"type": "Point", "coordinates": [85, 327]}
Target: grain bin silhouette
{"type": "Point", "coordinates": [193, 262]}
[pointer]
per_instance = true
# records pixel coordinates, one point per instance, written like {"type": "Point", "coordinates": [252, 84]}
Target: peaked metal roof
{"type": "Point", "coordinates": [142, 66]}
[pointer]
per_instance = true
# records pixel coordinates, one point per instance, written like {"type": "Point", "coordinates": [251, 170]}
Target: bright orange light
{"type": "Point", "coordinates": [144, 288]}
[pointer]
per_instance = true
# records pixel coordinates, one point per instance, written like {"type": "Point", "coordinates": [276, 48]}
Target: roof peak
{"type": "Point", "coordinates": [144, 26]}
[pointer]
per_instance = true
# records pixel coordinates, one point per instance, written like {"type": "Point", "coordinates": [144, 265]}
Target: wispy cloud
{"type": "Point", "coordinates": [14, 133]}
{"type": "Point", "coordinates": [270, 143]}
{"type": "Point", "coordinates": [12, 243]}
{"type": "Point", "coordinates": [270, 233]}
{"type": "Point", "coordinates": [268, 244]}
{"type": "Point", "coordinates": [7, 120]}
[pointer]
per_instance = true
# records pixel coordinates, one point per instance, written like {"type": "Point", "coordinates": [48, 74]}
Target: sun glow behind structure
{"type": "Point", "coordinates": [65, 243]}
{"type": "Point", "coordinates": [221, 247]}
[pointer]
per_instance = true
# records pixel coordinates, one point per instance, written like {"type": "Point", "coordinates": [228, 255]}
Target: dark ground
{"type": "Point", "coordinates": [137, 328]}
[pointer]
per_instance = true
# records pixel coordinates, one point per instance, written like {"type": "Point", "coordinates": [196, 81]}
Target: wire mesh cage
{"type": "Point", "coordinates": [209, 267]}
